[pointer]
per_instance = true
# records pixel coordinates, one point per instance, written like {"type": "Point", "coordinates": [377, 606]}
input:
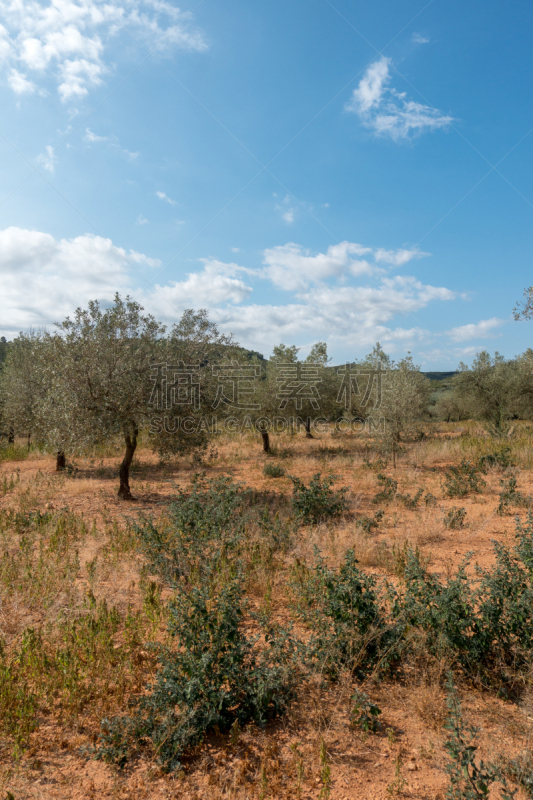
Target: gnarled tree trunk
{"type": "Point", "coordinates": [11, 434]}
{"type": "Point", "coordinates": [308, 434]}
{"type": "Point", "coordinates": [124, 491]}
{"type": "Point", "coordinates": [61, 461]}
{"type": "Point", "coordinates": [266, 441]}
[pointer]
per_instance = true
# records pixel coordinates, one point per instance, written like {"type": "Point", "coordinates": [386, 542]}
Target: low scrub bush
{"type": "Point", "coordinates": [480, 625]}
{"type": "Point", "coordinates": [410, 502]}
{"type": "Point", "coordinates": [510, 496]}
{"type": "Point", "coordinates": [499, 459]}
{"type": "Point", "coordinates": [13, 452]}
{"type": "Point", "coordinates": [388, 490]}
{"type": "Point", "coordinates": [210, 531]}
{"type": "Point", "coordinates": [369, 523]}
{"type": "Point", "coordinates": [463, 480]}
{"type": "Point", "coordinates": [273, 471]}
{"type": "Point", "coordinates": [365, 713]}
{"type": "Point", "coordinates": [470, 779]}
{"type": "Point", "coordinates": [346, 616]}
{"type": "Point", "coordinates": [214, 676]}
{"type": "Point", "coordinates": [318, 501]}
{"type": "Point", "coordinates": [454, 518]}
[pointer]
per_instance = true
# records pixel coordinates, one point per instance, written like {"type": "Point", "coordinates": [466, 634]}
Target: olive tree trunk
{"type": "Point", "coordinates": [266, 441]}
{"type": "Point", "coordinates": [308, 434]}
{"type": "Point", "coordinates": [124, 491]}
{"type": "Point", "coordinates": [61, 461]}
{"type": "Point", "coordinates": [11, 434]}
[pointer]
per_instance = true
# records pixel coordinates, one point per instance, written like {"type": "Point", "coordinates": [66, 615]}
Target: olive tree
{"type": "Point", "coordinates": [117, 368]}
{"type": "Point", "coordinates": [404, 397]}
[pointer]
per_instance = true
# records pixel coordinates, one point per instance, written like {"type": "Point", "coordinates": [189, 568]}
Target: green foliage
{"type": "Point", "coordinates": [430, 499]}
{"type": "Point", "coordinates": [369, 523]}
{"type": "Point", "coordinates": [500, 459]}
{"type": "Point", "coordinates": [273, 471]}
{"type": "Point", "coordinates": [410, 502]}
{"type": "Point", "coordinates": [463, 480]}
{"type": "Point", "coordinates": [13, 452]}
{"type": "Point", "coordinates": [364, 713]}
{"type": "Point", "coordinates": [470, 779]}
{"type": "Point", "coordinates": [510, 496]}
{"type": "Point", "coordinates": [520, 771]}
{"type": "Point", "coordinates": [454, 518]}
{"type": "Point", "coordinates": [388, 491]}
{"type": "Point", "coordinates": [345, 615]}
{"type": "Point", "coordinates": [214, 676]}
{"type": "Point", "coordinates": [318, 501]}
{"type": "Point", "coordinates": [207, 532]}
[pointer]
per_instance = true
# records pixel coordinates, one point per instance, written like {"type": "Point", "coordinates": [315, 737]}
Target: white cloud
{"type": "Point", "coordinates": [44, 279]}
{"type": "Point", "coordinates": [142, 220]}
{"type": "Point", "coordinates": [485, 329]}
{"type": "Point", "coordinates": [292, 268]}
{"type": "Point", "coordinates": [215, 284]}
{"type": "Point", "coordinates": [67, 39]}
{"type": "Point", "coordinates": [288, 216]}
{"type": "Point", "coordinates": [418, 38]}
{"type": "Point", "coordinates": [93, 137]}
{"type": "Point", "coordinates": [386, 111]}
{"type": "Point", "coordinates": [48, 160]}
{"type": "Point", "coordinates": [166, 198]}
{"type": "Point", "coordinates": [235, 249]}
{"type": "Point", "coordinates": [19, 83]}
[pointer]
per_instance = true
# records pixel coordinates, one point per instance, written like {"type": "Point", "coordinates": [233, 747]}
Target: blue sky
{"type": "Point", "coordinates": [307, 171]}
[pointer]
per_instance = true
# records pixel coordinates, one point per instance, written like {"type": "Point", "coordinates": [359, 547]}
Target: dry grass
{"type": "Point", "coordinates": [98, 559]}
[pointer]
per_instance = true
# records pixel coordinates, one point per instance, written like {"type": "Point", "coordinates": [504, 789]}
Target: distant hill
{"type": "Point", "coordinates": [439, 376]}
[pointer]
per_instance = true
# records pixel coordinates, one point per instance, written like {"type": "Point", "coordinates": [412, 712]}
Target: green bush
{"type": "Point", "coordinates": [369, 523]}
{"type": "Point", "coordinates": [499, 458]}
{"type": "Point", "coordinates": [510, 496]}
{"type": "Point", "coordinates": [213, 677]}
{"type": "Point", "coordinates": [346, 617]}
{"type": "Point", "coordinates": [13, 452]}
{"type": "Point", "coordinates": [469, 779]}
{"type": "Point", "coordinates": [208, 532]}
{"type": "Point", "coordinates": [481, 625]}
{"type": "Point", "coordinates": [411, 502]}
{"type": "Point", "coordinates": [454, 518]}
{"type": "Point", "coordinates": [273, 471]}
{"type": "Point", "coordinates": [463, 480]}
{"type": "Point", "coordinates": [364, 713]}
{"type": "Point", "coordinates": [388, 491]}
{"type": "Point", "coordinates": [318, 501]}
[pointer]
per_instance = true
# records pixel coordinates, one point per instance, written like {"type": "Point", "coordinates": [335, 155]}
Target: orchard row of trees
{"type": "Point", "coordinates": [118, 372]}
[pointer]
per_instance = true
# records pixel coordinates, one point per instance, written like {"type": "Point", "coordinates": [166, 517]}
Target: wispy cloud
{"type": "Point", "coordinates": [418, 38]}
{"type": "Point", "coordinates": [66, 41]}
{"type": "Point", "coordinates": [389, 113]}
{"type": "Point", "coordinates": [142, 220]}
{"type": "Point", "coordinates": [166, 198]}
{"type": "Point", "coordinates": [485, 329]}
{"type": "Point", "coordinates": [94, 138]}
{"type": "Point", "coordinates": [48, 160]}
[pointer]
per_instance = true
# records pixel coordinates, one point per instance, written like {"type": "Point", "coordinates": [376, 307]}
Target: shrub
{"type": "Point", "coordinates": [273, 471]}
{"type": "Point", "coordinates": [411, 502]}
{"type": "Point", "coordinates": [364, 713]}
{"type": "Point", "coordinates": [388, 491]}
{"type": "Point", "coordinates": [463, 480]}
{"type": "Point", "coordinates": [499, 458]}
{"type": "Point", "coordinates": [214, 677]}
{"type": "Point", "coordinates": [510, 496]}
{"type": "Point", "coordinates": [430, 499]}
{"type": "Point", "coordinates": [369, 523]}
{"type": "Point", "coordinates": [208, 533]}
{"type": "Point", "coordinates": [345, 615]}
{"type": "Point", "coordinates": [454, 518]}
{"type": "Point", "coordinates": [469, 779]}
{"type": "Point", "coordinates": [318, 501]}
